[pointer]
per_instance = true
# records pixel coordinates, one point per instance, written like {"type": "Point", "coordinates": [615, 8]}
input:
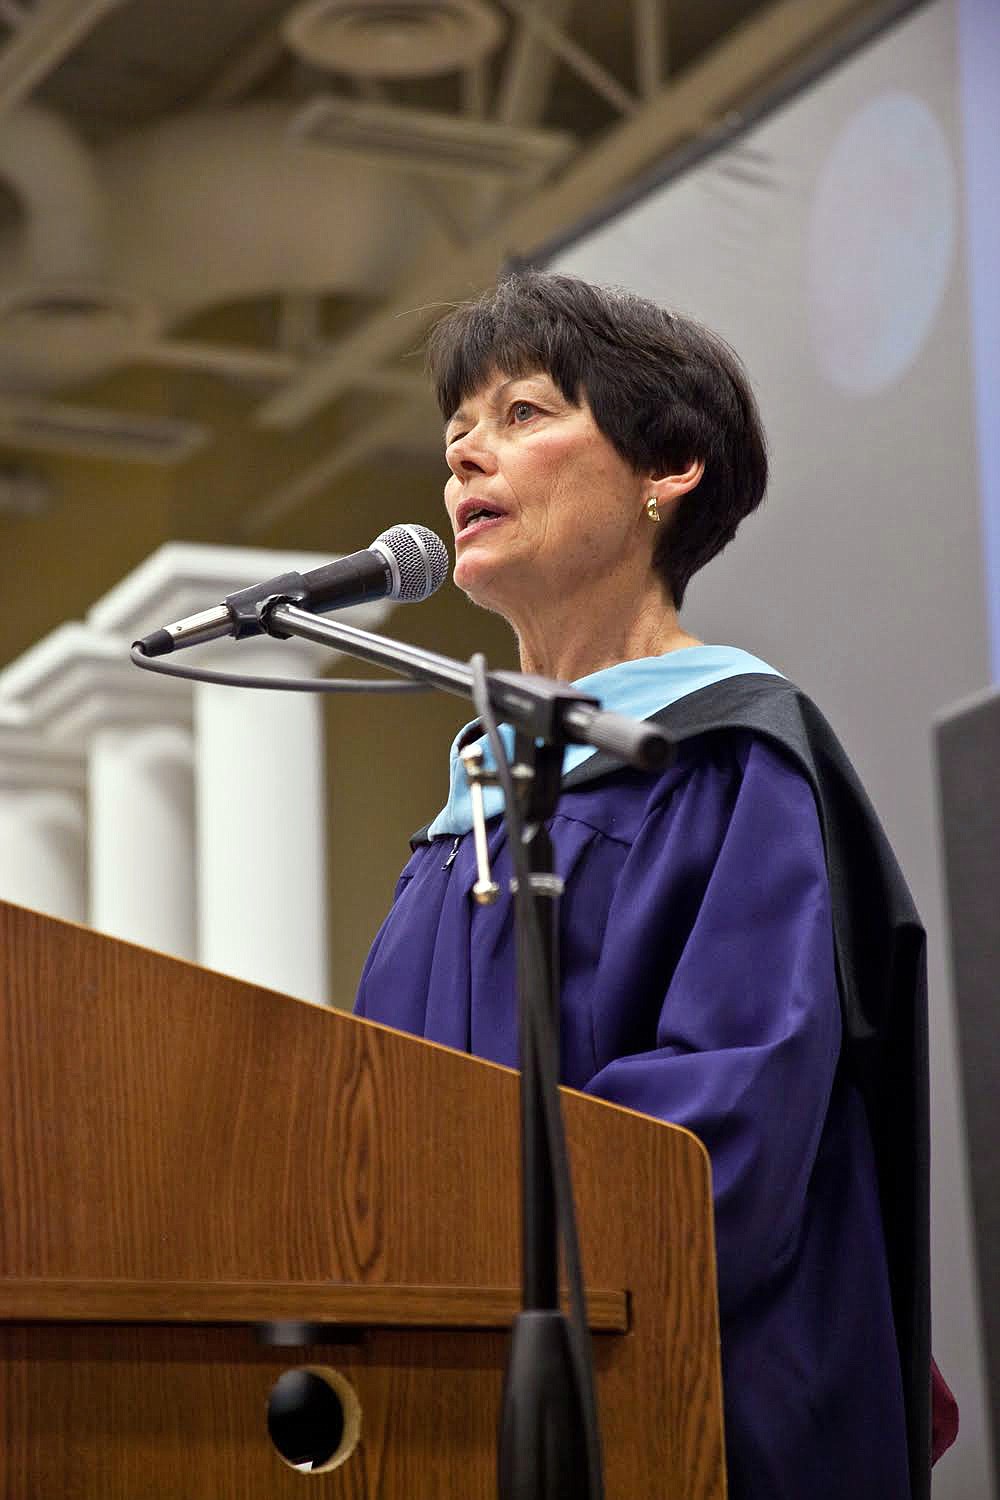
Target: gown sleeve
{"type": "Point", "coordinates": [715, 1003]}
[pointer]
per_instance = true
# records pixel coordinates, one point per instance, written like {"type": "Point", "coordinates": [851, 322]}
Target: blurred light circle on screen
{"type": "Point", "coordinates": [881, 239]}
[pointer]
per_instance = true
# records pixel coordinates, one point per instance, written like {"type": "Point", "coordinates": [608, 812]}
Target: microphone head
{"type": "Point", "coordinates": [417, 558]}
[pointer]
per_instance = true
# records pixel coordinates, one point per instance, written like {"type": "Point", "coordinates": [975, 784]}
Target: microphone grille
{"type": "Point", "coordinates": [419, 561]}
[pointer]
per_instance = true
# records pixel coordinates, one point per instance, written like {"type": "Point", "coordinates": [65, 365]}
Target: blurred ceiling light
{"type": "Point", "coordinates": [424, 141]}
{"type": "Point", "coordinates": [69, 313]}
{"type": "Point", "coordinates": [393, 38]}
{"type": "Point", "coordinates": [88, 430]}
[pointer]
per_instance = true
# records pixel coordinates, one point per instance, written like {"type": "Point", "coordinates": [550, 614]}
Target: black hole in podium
{"type": "Point", "coordinates": [305, 1419]}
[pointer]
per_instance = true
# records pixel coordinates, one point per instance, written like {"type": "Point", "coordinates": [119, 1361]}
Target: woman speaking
{"type": "Point", "coordinates": [739, 953]}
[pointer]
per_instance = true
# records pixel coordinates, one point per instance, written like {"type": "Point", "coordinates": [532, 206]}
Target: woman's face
{"type": "Point", "coordinates": [542, 505]}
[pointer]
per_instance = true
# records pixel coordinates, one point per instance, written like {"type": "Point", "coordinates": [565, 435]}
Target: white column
{"type": "Point", "coordinates": [142, 838]}
{"type": "Point", "coordinates": [259, 768]}
{"type": "Point", "coordinates": [261, 796]}
{"type": "Point", "coordinates": [42, 823]}
{"type": "Point", "coordinates": [81, 689]}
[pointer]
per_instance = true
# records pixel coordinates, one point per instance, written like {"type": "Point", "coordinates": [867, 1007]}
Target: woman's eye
{"type": "Point", "coordinates": [522, 410]}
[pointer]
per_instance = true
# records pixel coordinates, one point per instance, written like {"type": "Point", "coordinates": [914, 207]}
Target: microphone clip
{"type": "Point", "coordinates": [263, 612]}
{"type": "Point", "coordinates": [249, 608]}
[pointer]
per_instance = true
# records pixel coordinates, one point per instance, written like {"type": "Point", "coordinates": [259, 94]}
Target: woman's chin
{"type": "Point", "coordinates": [478, 578]}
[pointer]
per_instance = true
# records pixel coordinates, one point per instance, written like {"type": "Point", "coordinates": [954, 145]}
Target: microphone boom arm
{"type": "Point", "coordinates": [539, 707]}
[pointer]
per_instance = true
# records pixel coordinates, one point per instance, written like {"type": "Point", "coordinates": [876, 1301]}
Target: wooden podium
{"type": "Point", "coordinates": [184, 1157]}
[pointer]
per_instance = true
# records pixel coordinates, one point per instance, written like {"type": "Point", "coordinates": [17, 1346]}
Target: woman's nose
{"type": "Point", "coordinates": [471, 454]}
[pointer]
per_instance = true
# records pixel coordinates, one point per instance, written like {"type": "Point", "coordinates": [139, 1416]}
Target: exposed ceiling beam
{"type": "Point", "coordinates": [243, 362]}
{"type": "Point", "coordinates": [751, 58]}
{"type": "Point", "coordinates": [522, 93]}
{"type": "Point", "coordinates": [395, 382]}
{"type": "Point", "coordinates": [300, 323]}
{"type": "Point", "coordinates": [575, 56]}
{"type": "Point", "coordinates": [475, 90]}
{"type": "Point", "coordinates": [528, 68]}
{"type": "Point", "coordinates": [45, 36]}
{"type": "Point", "coordinates": [230, 360]}
{"type": "Point", "coordinates": [243, 70]}
{"type": "Point", "coordinates": [648, 23]}
{"type": "Point", "coordinates": [403, 423]}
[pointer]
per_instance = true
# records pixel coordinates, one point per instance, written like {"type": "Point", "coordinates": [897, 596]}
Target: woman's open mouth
{"type": "Point", "coordinates": [475, 517]}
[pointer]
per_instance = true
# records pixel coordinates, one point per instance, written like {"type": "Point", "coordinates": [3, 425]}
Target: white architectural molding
{"type": "Point", "coordinates": [42, 821]}
{"type": "Point", "coordinates": [78, 679]}
{"type": "Point", "coordinates": [84, 695]}
{"type": "Point", "coordinates": [206, 834]}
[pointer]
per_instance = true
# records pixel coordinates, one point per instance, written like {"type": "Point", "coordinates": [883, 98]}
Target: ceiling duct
{"type": "Point", "coordinates": [103, 252]}
{"type": "Point", "coordinates": [54, 181]}
{"type": "Point", "coordinates": [393, 38]}
{"type": "Point", "coordinates": [57, 310]}
{"type": "Point", "coordinates": [421, 140]}
{"type": "Point", "coordinates": [208, 208]}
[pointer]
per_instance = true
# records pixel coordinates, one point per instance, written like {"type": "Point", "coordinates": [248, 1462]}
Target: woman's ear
{"type": "Point", "coordinates": [667, 489]}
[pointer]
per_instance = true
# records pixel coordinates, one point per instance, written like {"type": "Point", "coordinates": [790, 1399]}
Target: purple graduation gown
{"type": "Point", "coordinates": [699, 985]}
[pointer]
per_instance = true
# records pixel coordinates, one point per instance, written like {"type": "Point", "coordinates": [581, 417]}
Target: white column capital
{"type": "Point", "coordinates": [42, 820]}
{"type": "Point", "coordinates": [77, 680]}
{"type": "Point", "coordinates": [30, 762]}
{"type": "Point", "coordinates": [79, 690]}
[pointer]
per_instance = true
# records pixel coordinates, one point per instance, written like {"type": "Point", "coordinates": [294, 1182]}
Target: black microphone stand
{"type": "Point", "coordinates": [549, 1447]}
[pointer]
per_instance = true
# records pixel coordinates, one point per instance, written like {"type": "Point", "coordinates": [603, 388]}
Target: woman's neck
{"type": "Point", "coordinates": [570, 643]}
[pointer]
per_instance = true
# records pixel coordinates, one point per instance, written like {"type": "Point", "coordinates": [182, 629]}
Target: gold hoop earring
{"type": "Point", "coordinates": [652, 509]}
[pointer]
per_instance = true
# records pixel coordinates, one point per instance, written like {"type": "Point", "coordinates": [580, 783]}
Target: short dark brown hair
{"type": "Point", "coordinates": [664, 391]}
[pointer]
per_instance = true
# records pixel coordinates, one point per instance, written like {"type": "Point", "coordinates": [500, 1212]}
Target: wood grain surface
{"type": "Point", "coordinates": [167, 1126]}
{"type": "Point", "coordinates": [40, 1299]}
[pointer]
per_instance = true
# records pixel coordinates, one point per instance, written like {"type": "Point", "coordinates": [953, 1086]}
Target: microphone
{"type": "Point", "coordinates": [407, 563]}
